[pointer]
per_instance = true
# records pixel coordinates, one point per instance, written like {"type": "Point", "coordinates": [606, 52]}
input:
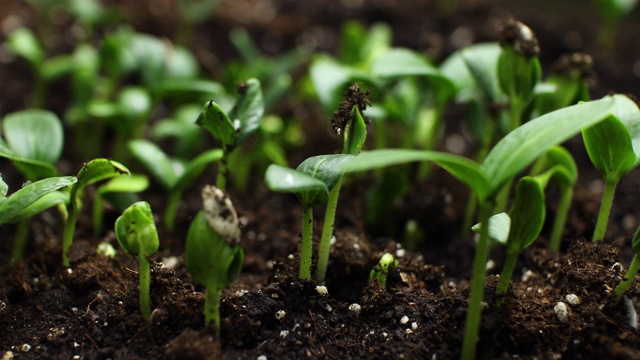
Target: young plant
{"type": "Point", "coordinates": [120, 191]}
{"type": "Point", "coordinates": [174, 175]}
{"type": "Point", "coordinates": [633, 267]}
{"type": "Point", "coordinates": [520, 228]}
{"type": "Point", "coordinates": [613, 146]}
{"type": "Point", "coordinates": [246, 114]}
{"type": "Point", "coordinates": [510, 156]}
{"type": "Point", "coordinates": [136, 232]}
{"type": "Point", "coordinates": [213, 252]}
{"type": "Point", "coordinates": [30, 200]}
{"type": "Point", "coordinates": [90, 173]}
{"type": "Point", "coordinates": [569, 80]}
{"type": "Point", "coordinates": [312, 182]}
{"type": "Point", "coordinates": [387, 265]}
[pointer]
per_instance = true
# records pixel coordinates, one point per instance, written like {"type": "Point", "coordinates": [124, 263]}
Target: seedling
{"type": "Point", "coordinates": [213, 252]}
{"type": "Point", "coordinates": [246, 114]}
{"type": "Point", "coordinates": [386, 266]}
{"type": "Point", "coordinates": [613, 146]}
{"type": "Point", "coordinates": [136, 232]}
{"type": "Point", "coordinates": [511, 155]}
{"type": "Point", "coordinates": [174, 175]}
{"type": "Point", "coordinates": [90, 173]}
{"type": "Point", "coordinates": [633, 267]}
{"type": "Point", "coordinates": [311, 182]}
{"type": "Point", "coordinates": [569, 79]}
{"type": "Point", "coordinates": [121, 185]}
{"type": "Point", "coordinates": [520, 228]}
{"type": "Point", "coordinates": [30, 200]}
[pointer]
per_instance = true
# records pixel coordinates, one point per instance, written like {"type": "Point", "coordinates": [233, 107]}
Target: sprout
{"type": "Point", "coordinates": [387, 265]}
{"type": "Point", "coordinates": [213, 252]}
{"type": "Point", "coordinates": [136, 232]}
{"type": "Point", "coordinates": [633, 267]}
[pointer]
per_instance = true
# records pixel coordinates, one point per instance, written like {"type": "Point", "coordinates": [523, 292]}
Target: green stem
{"type": "Point", "coordinates": [97, 214]}
{"type": "Point", "coordinates": [502, 198]}
{"type": "Point", "coordinates": [515, 113]}
{"type": "Point", "coordinates": [145, 279]}
{"type": "Point", "coordinates": [469, 214]}
{"type": "Point", "coordinates": [212, 307]}
{"type": "Point", "coordinates": [171, 209]}
{"type": "Point", "coordinates": [69, 228]}
{"type": "Point", "coordinates": [221, 181]}
{"type": "Point", "coordinates": [628, 277]}
{"type": "Point", "coordinates": [20, 242]}
{"type": "Point", "coordinates": [307, 242]}
{"type": "Point", "coordinates": [507, 273]}
{"type": "Point", "coordinates": [605, 209]}
{"type": "Point", "coordinates": [327, 232]}
{"type": "Point", "coordinates": [561, 218]}
{"type": "Point", "coordinates": [474, 311]}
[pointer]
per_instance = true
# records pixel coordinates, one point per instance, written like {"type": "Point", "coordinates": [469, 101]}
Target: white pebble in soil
{"type": "Point", "coordinates": [322, 290]}
{"type": "Point", "coordinates": [572, 299]}
{"type": "Point", "coordinates": [356, 308]}
{"type": "Point", "coordinates": [280, 314]}
{"type": "Point", "coordinates": [562, 311]}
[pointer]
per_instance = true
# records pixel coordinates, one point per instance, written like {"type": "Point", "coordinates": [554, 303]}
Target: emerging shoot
{"type": "Point", "coordinates": [633, 267]}
{"type": "Point", "coordinates": [387, 265]}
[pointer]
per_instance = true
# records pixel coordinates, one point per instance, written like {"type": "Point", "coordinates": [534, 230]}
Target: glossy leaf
{"type": "Point", "coordinates": [47, 201]}
{"type": "Point", "coordinates": [355, 133]}
{"type": "Point", "coordinates": [215, 120]}
{"type": "Point", "coordinates": [31, 193]}
{"type": "Point", "coordinates": [499, 226]}
{"type": "Point", "coordinates": [248, 109]}
{"type": "Point", "coordinates": [136, 230]}
{"type": "Point", "coordinates": [327, 168]}
{"type": "Point", "coordinates": [310, 191]}
{"type": "Point", "coordinates": [609, 147]}
{"type": "Point", "coordinates": [155, 160]}
{"type": "Point", "coordinates": [527, 214]}
{"type": "Point", "coordinates": [100, 169]}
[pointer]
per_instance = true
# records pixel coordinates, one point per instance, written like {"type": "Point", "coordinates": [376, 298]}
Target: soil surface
{"type": "Point", "coordinates": [558, 305]}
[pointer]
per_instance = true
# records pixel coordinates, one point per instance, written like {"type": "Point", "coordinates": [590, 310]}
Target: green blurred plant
{"type": "Point", "coordinates": [381, 271]}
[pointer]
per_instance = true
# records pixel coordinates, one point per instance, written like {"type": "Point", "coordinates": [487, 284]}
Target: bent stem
{"type": "Point", "coordinates": [307, 241]}
{"type": "Point", "coordinates": [20, 242]}
{"type": "Point", "coordinates": [561, 218]}
{"type": "Point", "coordinates": [474, 311]}
{"type": "Point", "coordinates": [212, 307]}
{"type": "Point", "coordinates": [145, 279]}
{"type": "Point", "coordinates": [327, 231]}
{"type": "Point", "coordinates": [605, 209]}
{"type": "Point", "coordinates": [628, 277]}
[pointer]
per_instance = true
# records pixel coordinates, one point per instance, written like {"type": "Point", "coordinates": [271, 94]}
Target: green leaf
{"type": "Point", "coordinates": [499, 226]}
{"type": "Point", "coordinates": [355, 133]}
{"type": "Point", "coordinates": [99, 169]}
{"type": "Point", "coordinates": [29, 194]}
{"type": "Point", "coordinates": [527, 214]}
{"type": "Point", "coordinates": [521, 147]}
{"type": "Point", "coordinates": [310, 191]}
{"type": "Point", "coordinates": [609, 147]}
{"type": "Point", "coordinates": [136, 230]}
{"type": "Point", "coordinates": [517, 74]}
{"type": "Point", "coordinates": [330, 80]}
{"type": "Point", "coordinates": [327, 168]}
{"type": "Point", "coordinates": [248, 109]}
{"type": "Point", "coordinates": [465, 170]}
{"type": "Point", "coordinates": [210, 260]}
{"type": "Point", "coordinates": [133, 183]}
{"type": "Point", "coordinates": [482, 62]}
{"type": "Point", "coordinates": [134, 103]}
{"type": "Point", "coordinates": [24, 43]}
{"type": "Point", "coordinates": [47, 201]}
{"type": "Point", "coordinates": [155, 160]}
{"type": "Point", "coordinates": [216, 121]}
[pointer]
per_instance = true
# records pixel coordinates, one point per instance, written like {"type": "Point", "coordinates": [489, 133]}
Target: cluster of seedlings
{"type": "Point", "coordinates": [518, 118]}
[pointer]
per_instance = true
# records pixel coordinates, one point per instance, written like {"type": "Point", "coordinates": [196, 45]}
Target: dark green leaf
{"type": "Point", "coordinates": [214, 119]}
{"type": "Point", "coordinates": [355, 133]}
{"type": "Point", "coordinates": [136, 230]}
{"type": "Point", "coordinates": [47, 201]}
{"type": "Point", "coordinates": [609, 147]}
{"type": "Point", "coordinates": [29, 194]}
{"type": "Point", "coordinates": [100, 169]}
{"type": "Point", "coordinates": [248, 109]}
{"type": "Point", "coordinates": [527, 214]}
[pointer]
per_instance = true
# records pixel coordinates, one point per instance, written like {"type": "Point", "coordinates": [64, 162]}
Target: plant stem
{"type": "Point", "coordinates": [327, 232]}
{"type": "Point", "coordinates": [469, 214]}
{"type": "Point", "coordinates": [212, 307]}
{"type": "Point", "coordinates": [474, 311]}
{"type": "Point", "coordinates": [69, 229]}
{"type": "Point", "coordinates": [307, 241]}
{"type": "Point", "coordinates": [221, 181]}
{"type": "Point", "coordinates": [605, 209]}
{"type": "Point", "coordinates": [20, 242]}
{"type": "Point", "coordinates": [628, 277]}
{"type": "Point", "coordinates": [561, 218]}
{"type": "Point", "coordinates": [145, 279]}
{"type": "Point", "coordinates": [507, 273]}
{"type": "Point", "coordinates": [97, 214]}
{"type": "Point", "coordinates": [171, 209]}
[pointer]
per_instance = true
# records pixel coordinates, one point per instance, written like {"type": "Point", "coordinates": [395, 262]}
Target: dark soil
{"type": "Point", "coordinates": [90, 311]}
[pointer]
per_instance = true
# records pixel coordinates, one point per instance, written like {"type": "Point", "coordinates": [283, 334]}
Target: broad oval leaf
{"type": "Point", "coordinates": [210, 260]}
{"type": "Point", "coordinates": [155, 160]}
{"type": "Point", "coordinates": [499, 226]}
{"type": "Point", "coordinates": [527, 214]}
{"type": "Point", "coordinates": [609, 147]}
{"type": "Point", "coordinates": [465, 170]}
{"type": "Point", "coordinates": [215, 120]}
{"type": "Point", "coordinates": [248, 109]}
{"type": "Point", "coordinates": [521, 147]}
{"type": "Point", "coordinates": [100, 169]}
{"type": "Point", "coordinates": [136, 230]}
{"type": "Point", "coordinates": [29, 194]}
{"type": "Point", "coordinates": [327, 168]}
{"type": "Point", "coordinates": [310, 191]}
